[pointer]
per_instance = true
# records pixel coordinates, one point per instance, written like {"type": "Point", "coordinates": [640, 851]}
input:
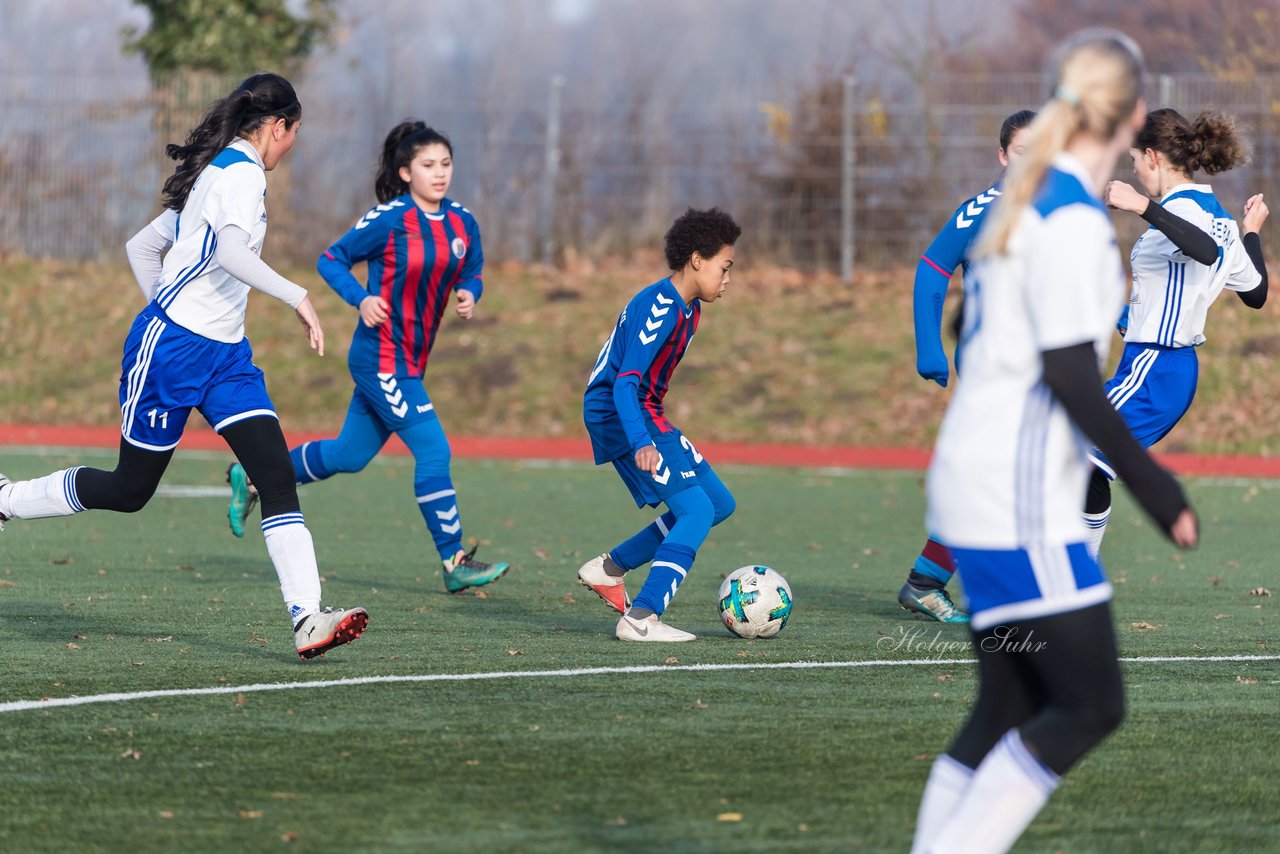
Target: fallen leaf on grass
{"type": "Point", "coordinates": [1240, 680]}
{"type": "Point", "coordinates": [65, 561]}
{"type": "Point", "coordinates": [481, 594]}
{"type": "Point", "coordinates": [289, 837]}
{"type": "Point", "coordinates": [1222, 616]}
{"type": "Point", "coordinates": [166, 813]}
{"type": "Point", "coordinates": [514, 652]}
{"type": "Point", "coordinates": [729, 816]}
{"type": "Point", "coordinates": [241, 700]}
{"type": "Point", "coordinates": [1143, 625]}
{"type": "Point", "coordinates": [541, 553]}
{"type": "Point", "coordinates": [131, 754]}
{"type": "Point", "coordinates": [569, 600]}
{"type": "Point", "coordinates": [1259, 591]}
{"type": "Point", "coordinates": [249, 813]}
{"type": "Point", "coordinates": [73, 646]}
{"type": "Point", "coordinates": [672, 660]}
{"type": "Point", "coordinates": [7, 583]}
{"type": "Point", "coordinates": [285, 796]}
{"type": "Point", "coordinates": [616, 822]}
{"type": "Point", "coordinates": [256, 639]}
{"type": "Point", "coordinates": [473, 762]}
{"type": "Point", "coordinates": [158, 640]}
{"type": "Point", "coordinates": [698, 704]}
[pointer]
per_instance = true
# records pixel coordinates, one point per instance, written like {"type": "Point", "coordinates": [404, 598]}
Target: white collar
{"type": "Point", "coordinates": [244, 146]}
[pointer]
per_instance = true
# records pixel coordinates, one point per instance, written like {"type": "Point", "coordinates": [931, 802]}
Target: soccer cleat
{"type": "Point", "coordinates": [244, 497]}
{"type": "Point", "coordinates": [934, 604]}
{"type": "Point", "coordinates": [649, 630]}
{"type": "Point", "coordinates": [4, 481]}
{"type": "Point", "coordinates": [463, 571]}
{"type": "Point", "coordinates": [320, 632]}
{"type": "Point", "coordinates": [611, 588]}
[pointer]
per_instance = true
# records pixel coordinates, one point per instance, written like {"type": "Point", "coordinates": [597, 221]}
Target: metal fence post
{"type": "Point", "coordinates": [551, 172]}
{"type": "Point", "coordinates": [1166, 90]}
{"type": "Point", "coordinates": [847, 180]}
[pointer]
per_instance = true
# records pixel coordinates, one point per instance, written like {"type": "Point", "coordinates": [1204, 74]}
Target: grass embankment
{"type": "Point", "coordinates": [786, 357]}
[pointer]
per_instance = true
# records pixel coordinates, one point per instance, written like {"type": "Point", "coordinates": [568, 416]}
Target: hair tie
{"type": "Point", "coordinates": [1062, 93]}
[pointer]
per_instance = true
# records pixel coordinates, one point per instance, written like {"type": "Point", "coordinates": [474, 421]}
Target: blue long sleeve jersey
{"type": "Point", "coordinates": [415, 259]}
{"type": "Point", "coordinates": [950, 249]}
{"type": "Point", "coordinates": [624, 395]}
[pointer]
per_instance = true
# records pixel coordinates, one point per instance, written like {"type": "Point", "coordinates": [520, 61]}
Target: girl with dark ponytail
{"type": "Point", "coordinates": [195, 264]}
{"type": "Point", "coordinates": [420, 247]}
{"type": "Point", "coordinates": [1180, 266]}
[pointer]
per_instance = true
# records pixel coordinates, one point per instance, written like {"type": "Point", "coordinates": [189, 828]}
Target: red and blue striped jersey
{"type": "Point", "coordinates": [623, 401]}
{"type": "Point", "coordinates": [415, 260]}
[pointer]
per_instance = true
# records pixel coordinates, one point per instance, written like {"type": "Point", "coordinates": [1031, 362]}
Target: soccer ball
{"type": "Point", "coordinates": [755, 602]}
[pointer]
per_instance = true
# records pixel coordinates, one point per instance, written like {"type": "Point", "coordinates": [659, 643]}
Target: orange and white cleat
{"type": "Point", "coordinates": [595, 576]}
{"type": "Point", "coordinates": [320, 632]}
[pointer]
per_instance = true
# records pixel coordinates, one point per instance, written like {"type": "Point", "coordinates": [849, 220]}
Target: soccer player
{"type": "Point", "coordinates": [925, 590]}
{"type": "Point", "coordinates": [187, 349]}
{"type": "Point", "coordinates": [1040, 303]}
{"type": "Point", "coordinates": [420, 247]}
{"type": "Point", "coordinates": [623, 411]}
{"type": "Point", "coordinates": [1178, 271]}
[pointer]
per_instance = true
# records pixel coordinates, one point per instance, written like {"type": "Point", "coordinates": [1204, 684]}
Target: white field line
{"type": "Point", "coordinates": [28, 705]}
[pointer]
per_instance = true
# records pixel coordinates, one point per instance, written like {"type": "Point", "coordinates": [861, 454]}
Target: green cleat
{"type": "Point", "coordinates": [934, 604]}
{"type": "Point", "coordinates": [243, 498]}
{"type": "Point", "coordinates": [463, 571]}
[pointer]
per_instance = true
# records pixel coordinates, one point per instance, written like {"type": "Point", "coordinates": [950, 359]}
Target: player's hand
{"type": "Point", "coordinates": [647, 459]}
{"type": "Point", "coordinates": [1122, 196]}
{"type": "Point", "coordinates": [934, 367]}
{"type": "Point", "coordinates": [374, 311]}
{"type": "Point", "coordinates": [466, 304]}
{"type": "Point", "coordinates": [1186, 529]}
{"type": "Point", "coordinates": [311, 322]}
{"type": "Point", "coordinates": [1255, 214]}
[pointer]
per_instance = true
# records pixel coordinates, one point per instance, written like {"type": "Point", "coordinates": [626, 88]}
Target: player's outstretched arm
{"type": "Point", "coordinates": [1255, 214]}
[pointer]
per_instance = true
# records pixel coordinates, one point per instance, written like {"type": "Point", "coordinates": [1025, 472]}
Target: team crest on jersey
{"type": "Point", "coordinates": [459, 247]}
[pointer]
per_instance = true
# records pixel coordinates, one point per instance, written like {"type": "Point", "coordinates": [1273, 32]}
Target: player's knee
{"type": "Point", "coordinates": [724, 504]}
{"type": "Point", "coordinates": [133, 497]}
{"type": "Point", "coordinates": [695, 507]}
{"type": "Point", "coordinates": [1098, 499]}
{"type": "Point", "coordinates": [350, 460]}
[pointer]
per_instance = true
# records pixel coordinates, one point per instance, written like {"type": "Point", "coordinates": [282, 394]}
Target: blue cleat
{"type": "Point", "coordinates": [243, 498]}
{"type": "Point", "coordinates": [463, 571]}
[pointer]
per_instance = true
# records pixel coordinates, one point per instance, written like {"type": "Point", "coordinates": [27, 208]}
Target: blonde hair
{"type": "Point", "coordinates": [1097, 83]}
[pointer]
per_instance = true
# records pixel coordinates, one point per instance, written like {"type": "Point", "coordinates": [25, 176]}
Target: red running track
{"type": "Point", "coordinates": [789, 456]}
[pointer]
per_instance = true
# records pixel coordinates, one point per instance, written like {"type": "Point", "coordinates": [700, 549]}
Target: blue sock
{"type": "Point", "coordinates": [438, 502]}
{"type": "Point", "coordinates": [935, 561]}
{"type": "Point", "coordinates": [640, 549]}
{"type": "Point", "coordinates": [308, 463]}
{"type": "Point", "coordinates": [671, 563]}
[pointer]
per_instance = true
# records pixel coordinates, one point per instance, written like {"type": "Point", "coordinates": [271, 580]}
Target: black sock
{"type": "Point", "coordinates": [920, 581]}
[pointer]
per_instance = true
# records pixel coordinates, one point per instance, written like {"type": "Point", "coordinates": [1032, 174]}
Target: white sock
{"type": "Point", "coordinates": [948, 781]}
{"type": "Point", "coordinates": [51, 495]}
{"type": "Point", "coordinates": [294, 555]}
{"type": "Point", "coordinates": [1008, 790]}
{"type": "Point", "coordinates": [1097, 523]}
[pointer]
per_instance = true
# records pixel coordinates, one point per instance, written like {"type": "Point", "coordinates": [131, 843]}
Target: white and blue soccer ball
{"type": "Point", "coordinates": [755, 602]}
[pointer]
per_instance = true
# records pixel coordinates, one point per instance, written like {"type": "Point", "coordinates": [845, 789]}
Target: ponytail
{"type": "Point", "coordinates": [258, 98]}
{"type": "Point", "coordinates": [1098, 83]}
{"type": "Point", "coordinates": [1211, 143]}
{"type": "Point", "coordinates": [398, 150]}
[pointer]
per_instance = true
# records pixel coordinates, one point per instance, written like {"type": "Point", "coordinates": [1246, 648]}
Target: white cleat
{"type": "Point", "coordinates": [650, 630]}
{"type": "Point", "coordinates": [320, 632]}
{"type": "Point", "coordinates": [612, 589]}
{"type": "Point", "coordinates": [4, 481]}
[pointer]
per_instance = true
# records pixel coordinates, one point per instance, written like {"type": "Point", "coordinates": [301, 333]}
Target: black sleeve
{"type": "Point", "coordinates": [1257, 297]}
{"type": "Point", "coordinates": [1193, 242]}
{"type": "Point", "coordinates": [1071, 373]}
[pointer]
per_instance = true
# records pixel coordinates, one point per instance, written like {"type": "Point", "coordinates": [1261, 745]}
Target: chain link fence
{"type": "Point", "coordinates": [838, 172]}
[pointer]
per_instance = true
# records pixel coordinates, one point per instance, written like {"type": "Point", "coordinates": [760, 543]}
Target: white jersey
{"type": "Point", "coordinates": [1171, 293]}
{"type": "Point", "coordinates": [1009, 470]}
{"type": "Point", "coordinates": [193, 290]}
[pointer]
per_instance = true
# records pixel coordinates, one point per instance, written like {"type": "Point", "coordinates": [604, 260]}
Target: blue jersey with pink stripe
{"type": "Point", "coordinates": [415, 259]}
{"type": "Point", "coordinates": [648, 341]}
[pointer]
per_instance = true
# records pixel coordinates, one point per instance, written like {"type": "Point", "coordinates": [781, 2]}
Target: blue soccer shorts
{"type": "Point", "coordinates": [396, 401]}
{"type": "Point", "coordinates": [168, 370]}
{"type": "Point", "coordinates": [678, 469]}
{"type": "Point", "coordinates": [1152, 390]}
{"type": "Point", "coordinates": [1010, 585]}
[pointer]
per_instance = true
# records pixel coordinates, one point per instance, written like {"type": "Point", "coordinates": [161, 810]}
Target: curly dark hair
{"type": "Point", "coordinates": [1212, 143]}
{"type": "Point", "coordinates": [705, 232]}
